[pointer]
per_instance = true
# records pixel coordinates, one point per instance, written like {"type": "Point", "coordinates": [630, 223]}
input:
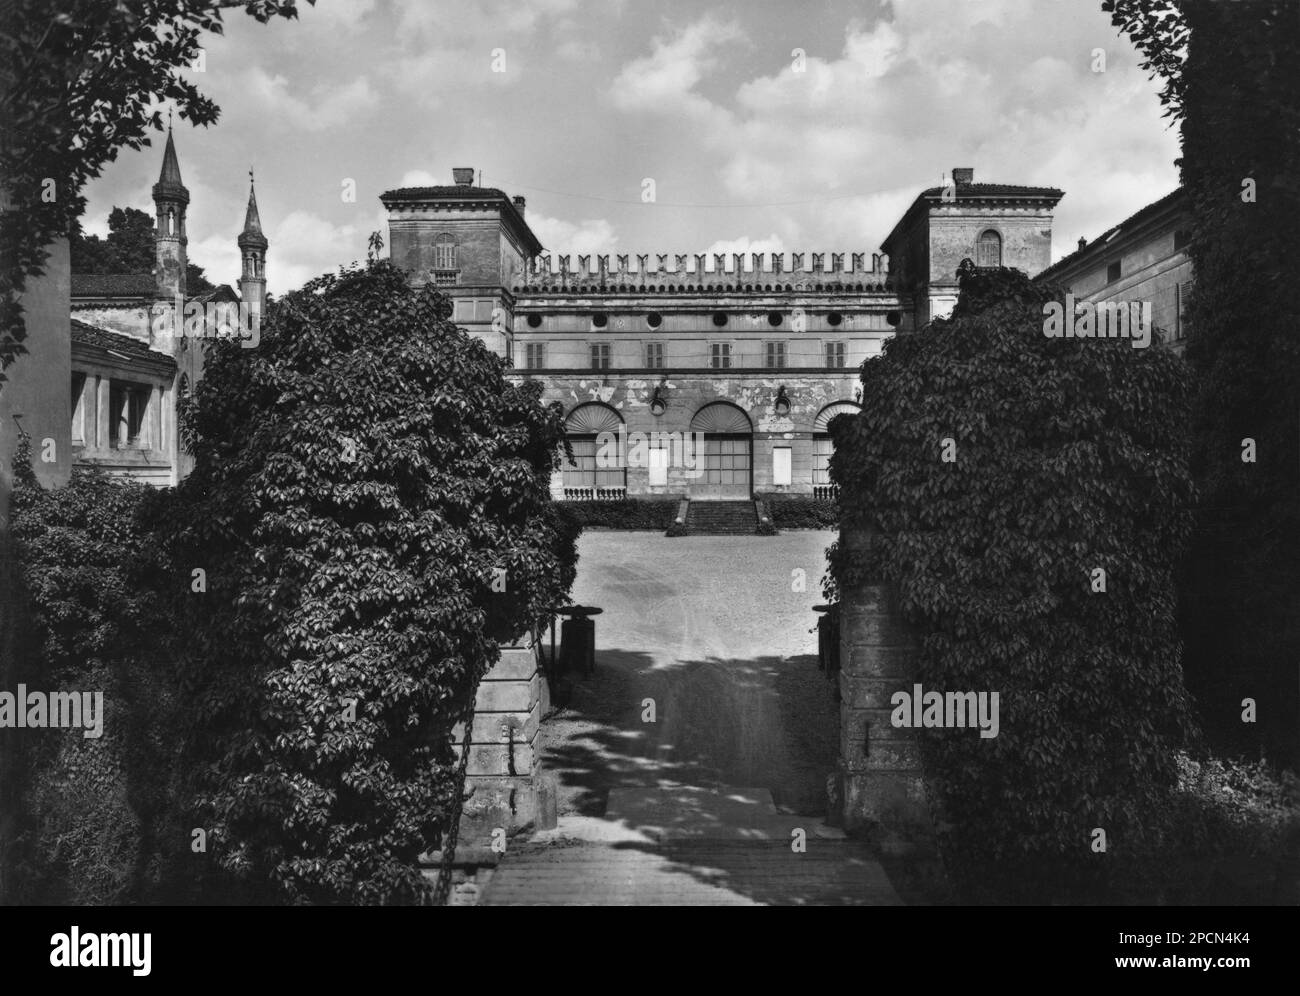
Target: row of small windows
{"type": "Point", "coordinates": [720, 319]}
{"type": "Point", "coordinates": [774, 355]}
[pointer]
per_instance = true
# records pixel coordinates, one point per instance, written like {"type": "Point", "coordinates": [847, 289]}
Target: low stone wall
{"type": "Point", "coordinates": [506, 790]}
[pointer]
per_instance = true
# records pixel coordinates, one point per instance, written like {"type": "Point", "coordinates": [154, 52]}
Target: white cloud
{"type": "Point", "coordinates": [665, 80]}
{"type": "Point", "coordinates": [591, 235]}
{"type": "Point", "coordinates": [330, 107]}
{"type": "Point", "coordinates": [419, 178]}
{"type": "Point", "coordinates": [744, 244]}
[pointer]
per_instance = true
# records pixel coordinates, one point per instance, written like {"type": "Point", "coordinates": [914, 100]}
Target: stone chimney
{"type": "Point", "coordinates": [519, 204]}
{"type": "Point", "coordinates": [963, 176]}
{"type": "Point", "coordinates": [463, 175]}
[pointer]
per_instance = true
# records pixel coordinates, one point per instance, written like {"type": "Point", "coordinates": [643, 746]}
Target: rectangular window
{"type": "Point", "coordinates": [658, 464]}
{"type": "Point", "coordinates": [781, 465]}
{"type": "Point", "coordinates": [78, 407]}
{"type": "Point", "coordinates": [127, 406]}
{"type": "Point", "coordinates": [1113, 272]}
{"type": "Point", "coordinates": [773, 354]}
{"type": "Point", "coordinates": [1180, 317]}
{"type": "Point", "coordinates": [534, 355]}
{"type": "Point", "coordinates": [822, 450]}
{"type": "Point", "coordinates": [834, 355]}
{"type": "Point", "coordinates": [654, 355]}
{"type": "Point", "coordinates": [720, 355]}
{"type": "Point", "coordinates": [600, 356]}
{"type": "Point", "coordinates": [1181, 237]}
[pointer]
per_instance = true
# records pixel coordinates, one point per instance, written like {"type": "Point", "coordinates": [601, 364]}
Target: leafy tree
{"type": "Point", "coordinates": [78, 83]}
{"type": "Point", "coordinates": [128, 248]}
{"type": "Point", "coordinates": [1229, 78]}
{"type": "Point", "coordinates": [362, 479]}
{"type": "Point", "coordinates": [1069, 456]}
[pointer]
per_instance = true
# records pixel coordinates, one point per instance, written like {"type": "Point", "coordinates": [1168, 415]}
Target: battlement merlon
{"type": "Point", "coordinates": [546, 268]}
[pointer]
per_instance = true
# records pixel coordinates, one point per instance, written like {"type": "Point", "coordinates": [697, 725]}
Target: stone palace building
{"type": "Point", "coordinates": [756, 353]}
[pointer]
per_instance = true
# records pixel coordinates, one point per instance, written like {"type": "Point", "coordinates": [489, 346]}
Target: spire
{"type": "Point", "coordinates": [251, 236]}
{"type": "Point", "coordinates": [252, 223]}
{"type": "Point", "coordinates": [169, 185]}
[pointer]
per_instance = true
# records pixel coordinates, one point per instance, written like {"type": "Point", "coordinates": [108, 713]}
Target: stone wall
{"type": "Point", "coordinates": [502, 776]}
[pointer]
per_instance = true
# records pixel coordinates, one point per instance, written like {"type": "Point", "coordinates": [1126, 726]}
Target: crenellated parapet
{"type": "Point", "coordinates": [699, 271]}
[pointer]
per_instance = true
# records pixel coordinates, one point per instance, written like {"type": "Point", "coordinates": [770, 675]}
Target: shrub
{"type": "Point", "coordinates": [801, 511]}
{"type": "Point", "coordinates": [1070, 456]}
{"type": "Point", "coordinates": [100, 817]}
{"type": "Point", "coordinates": [366, 483]}
{"type": "Point", "coordinates": [630, 513]}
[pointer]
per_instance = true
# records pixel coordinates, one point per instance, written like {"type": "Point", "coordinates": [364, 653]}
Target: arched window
{"type": "Point", "coordinates": [823, 447]}
{"type": "Point", "coordinates": [597, 469]}
{"type": "Point", "coordinates": [988, 249]}
{"type": "Point", "coordinates": [728, 451]}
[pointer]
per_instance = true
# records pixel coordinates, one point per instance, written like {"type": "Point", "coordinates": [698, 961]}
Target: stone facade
{"type": "Point", "coordinates": [659, 339]}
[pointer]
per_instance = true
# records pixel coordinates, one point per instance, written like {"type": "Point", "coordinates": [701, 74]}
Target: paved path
{"type": "Point", "coordinates": [700, 805]}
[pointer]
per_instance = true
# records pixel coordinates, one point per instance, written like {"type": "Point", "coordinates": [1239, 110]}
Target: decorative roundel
{"type": "Point", "coordinates": [719, 319]}
{"type": "Point", "coordinates": [600, 320]}
{"type": "Point", "coordinates": [534, 321]}
{"type": "Point", "coordinates": [654, 319]}
{"type": "Point", "coordinates": [774, 318]}
{"type": "Point", "coordinates": [834, 318]}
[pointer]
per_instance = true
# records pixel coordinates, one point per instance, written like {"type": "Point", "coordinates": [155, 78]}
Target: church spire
{"type": "Point", "coordinates": [170, 199]}
{"type": "Point", "coordinates": [252, 252]}
{"type": "Point", "coordinates": [252, 223]}
{"type": "Point", "coordinates": [171, 167]}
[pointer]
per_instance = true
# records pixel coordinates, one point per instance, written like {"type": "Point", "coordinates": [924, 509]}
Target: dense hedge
{"type": "Point", "coordinates": [630, 513]}
{"type": "Point", "coordinates": [1070, 455]}
{"type": "Point", "coordinates": [99, 820]}
{"type": "Point", "coordinates": [801, 511]}
{"type": "Point", "coordinates": [370, 507]}
{"type": "Point", "coordinates": [287, 640]}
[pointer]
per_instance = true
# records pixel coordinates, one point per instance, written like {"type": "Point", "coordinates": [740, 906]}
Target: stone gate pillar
{"type": "Point", "coordinates": [879, 780]}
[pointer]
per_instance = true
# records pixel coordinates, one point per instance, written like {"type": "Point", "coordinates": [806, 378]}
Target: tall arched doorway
{"type": "Point", "coordinates": [728, 452]}
{"type": "Point", "coordinates": [585, 477]}
{"type": "Point", "coordinates": [823, 447]}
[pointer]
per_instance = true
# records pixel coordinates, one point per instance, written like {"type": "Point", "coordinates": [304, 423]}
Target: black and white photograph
{"type": "Point", "coordinates": [596, 453]}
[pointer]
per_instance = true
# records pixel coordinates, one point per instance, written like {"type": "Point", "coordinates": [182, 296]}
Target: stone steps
{"type": "Point", "coordinates": [726, 518]}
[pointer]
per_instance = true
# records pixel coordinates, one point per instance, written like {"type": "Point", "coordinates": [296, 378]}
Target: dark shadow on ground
{"type": "Point", "coordinates": [766, 723]}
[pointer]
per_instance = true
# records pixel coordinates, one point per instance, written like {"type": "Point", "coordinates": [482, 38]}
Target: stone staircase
{"type": "Point", "coordinates": [726, 518]}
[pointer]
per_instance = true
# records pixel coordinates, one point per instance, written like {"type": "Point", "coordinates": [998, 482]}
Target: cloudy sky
{"type": "Point", "coordinates": [745, 151]}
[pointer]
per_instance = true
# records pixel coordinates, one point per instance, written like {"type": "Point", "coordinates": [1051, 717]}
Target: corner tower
{"type": "Point", "coordinates": [252, 251]}
{"type": "Point", "coordinates": [991, 224]}
{"type": "Point", "coordinates": [170, 199]}
{"type": "Point", "coordinates": [471, 243]}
